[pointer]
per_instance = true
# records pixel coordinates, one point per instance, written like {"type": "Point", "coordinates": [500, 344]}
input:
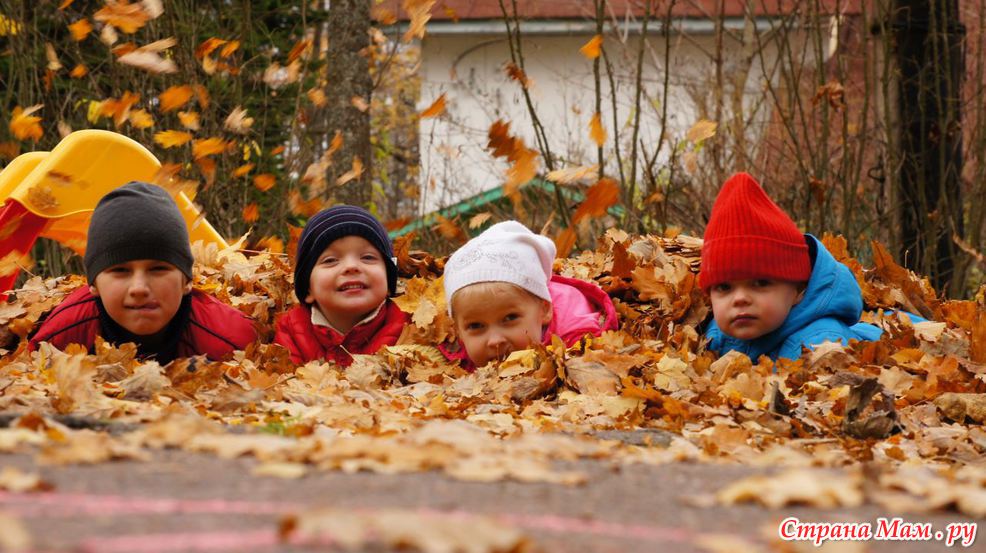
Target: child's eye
{"type": "Point", "coordinates": [327, 260]}
{"type": "Point", "coordinates": [762, 283]}
{"type": "Point", "coordinates": [370, 257]}
{"type": "Point", "coordinates": [474, 326]}
{"type": "Point", "coordinates": [721, 288]}
{"type": "Point", "coordinates": [511, 317]}
{"type": "Point", "coordinates": [119, 270]}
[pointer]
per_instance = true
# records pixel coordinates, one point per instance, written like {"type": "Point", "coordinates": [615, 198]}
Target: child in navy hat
{"type": "Point", "coordinates": [345, 272]}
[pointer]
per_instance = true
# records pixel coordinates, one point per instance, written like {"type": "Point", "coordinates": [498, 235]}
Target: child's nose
{"type": "Point", "coordinates": [138, 285]}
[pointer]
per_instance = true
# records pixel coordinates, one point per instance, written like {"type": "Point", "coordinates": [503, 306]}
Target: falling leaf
{"type": "Point", "coordinates": [24, 125]}
{"type": "Point", "coordinates": [108, 35]}
{"type": "Point", "coordinates": [175, 97]}
{"type": "Point", "coordinates": [171, 139]}
{"type": "Point", "coordinates": [419, 12]}
{"type": "Point", "coordinates": [251, 213]}
{"type": "Point", "coordinates": [152, 62]}
{"type": "Point", "coordinates": [127, 17]}
{"type": "Point", "coordinates": [189, 120]}
{"type": "Point", "coordinates": [317, 96]}
{"type": "Point", "coordinates": [208, 147]}
{"type": "Point", "coordinates": [600, 197]}
{"type": "Point", "coordinates": [300, 48]}
{"type": "Point", "coordinates": [64, 4]}
{"type": "Point", "coordinates": [592, 48]}
{"type": "Point", "coordinates": [477, 220]}
{"type": "Point", "coordinates": [359, 103]}
{"type": "Point", "coordinates": [80, 29]}
{"type": "Point", "coordinates": [517, 74]}
{"type": "Point", "coordinates": [237, 121]}
{"type": "Point", "coordinates": [53, 63]}
{"type": "Point", "coordinates": [264, 181]}
{"type": "Point", "coordinates": [565, 241]}
{"type": "Point", "coordinates": [353, 174]}
{"type": "Point", "coordinates": [79, 71]}
{"type": "Point", "coordinates": [301, 207]}
{"type": "Point", "coordinates": [701, 130]}
{"type": "Point", "coordinates": [140, 119]}
{"type": "Point", "coordinates": [383, 15]}
{"type": "Point", "coordinates": [208, 46]}
{"type": "Point", "coordinates": [242, 170]}
{"type": "Point", "coordinates": [435, 109]}
{"type": "Point", "coordinates": [574, 175]}
{"type": "Point", "coordinates": [596, 130]}
{"type": "Point", "coordinates": [229, 48]}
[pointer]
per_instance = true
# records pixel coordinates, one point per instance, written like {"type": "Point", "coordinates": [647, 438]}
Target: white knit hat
{"type": "Point", "coordinates": [505, 252]}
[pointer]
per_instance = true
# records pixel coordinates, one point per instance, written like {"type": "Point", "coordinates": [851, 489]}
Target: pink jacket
{"type": "Point", "coordinates": [578, 308]}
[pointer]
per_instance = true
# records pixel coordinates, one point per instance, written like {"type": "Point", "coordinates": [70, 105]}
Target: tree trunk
{"type": "Point", "coordinates": [348, 92]}
{"type": "Point", "coordinates": [930, 59]}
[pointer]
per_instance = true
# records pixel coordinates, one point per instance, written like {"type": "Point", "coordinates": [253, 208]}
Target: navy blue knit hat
{"type": "Point", "coordinates": [334, 223]}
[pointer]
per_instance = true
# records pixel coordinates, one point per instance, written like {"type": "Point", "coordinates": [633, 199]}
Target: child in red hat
{"type": "Point", "coordinates": [773, 289]}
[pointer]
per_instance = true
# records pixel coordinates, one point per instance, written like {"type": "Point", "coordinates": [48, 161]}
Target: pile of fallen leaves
{"type": "Point", "coordinates": [902, 417]}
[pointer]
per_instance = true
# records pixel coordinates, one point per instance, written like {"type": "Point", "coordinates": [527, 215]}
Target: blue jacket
{"type": "Point", "coordinates": [829, 311]}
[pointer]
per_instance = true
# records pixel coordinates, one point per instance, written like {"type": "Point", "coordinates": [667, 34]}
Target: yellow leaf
{"type": "Point", "coordinates": [435, 109]}
{"type": "Point", "coordinates": [80, 29]}
{"type": "Point", "coordinates": [701, 130]}
{"type": "Point", "coordinates": [23, 125]}
{"type": "Point", "coordinates": [242, 170]}
{"type": "Point", "coordinates": [592, 48]}
{"type": "Point", "coordinates": [140, 119]}
{"type": "Point", "coordinates": [596, 131]}
{"type": "Point", "coordinates": [189, 119]}
{"type": "Point", "coordinates": [228, 50]}
{"type": "Point", "coordinates": [175, 97]}
{"type": "Point", "coordinates": [264, 182]}
{"type": "Point", "coordinates": [171, 139]}
{"type": "Point", "coordinates": [251, 213]}
{"type": "Point", "coordinates": [208, 147]}
{"type": "Point", "coordinates": [419, 12]}
{"type": "Point", "coordinates": [237, 121]}
{"type": "Point", "coordinates": [79, 71]}
{"type": "Point", "coordinates": [95, 111]}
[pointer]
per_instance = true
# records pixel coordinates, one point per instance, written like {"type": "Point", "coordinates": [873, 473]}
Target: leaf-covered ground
{"type": "Point", "coordinates": [895, 423]}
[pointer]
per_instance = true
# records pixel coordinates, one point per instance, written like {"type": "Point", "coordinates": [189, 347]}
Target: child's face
{"type": "Point", "coordinates": [348, 282]}
{"type": "Point", "coordinates": [495, 319]}
{"type": "Point", "coordinates": [748, 309]}
{"type": "Point", "coordinates": [142, 296]}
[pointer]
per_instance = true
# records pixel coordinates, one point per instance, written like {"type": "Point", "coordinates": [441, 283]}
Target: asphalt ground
{"type": "Point", "coordinates": [182, 501]}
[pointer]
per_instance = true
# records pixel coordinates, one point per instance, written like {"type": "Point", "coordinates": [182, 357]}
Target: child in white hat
{"type": "Point", "coordinates": [503, 297]}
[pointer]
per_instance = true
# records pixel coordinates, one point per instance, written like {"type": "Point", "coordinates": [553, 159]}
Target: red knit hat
{"type": "Point", "coordinates": [749, 237]}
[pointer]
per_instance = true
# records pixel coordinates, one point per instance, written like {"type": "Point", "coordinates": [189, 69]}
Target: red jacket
{"type": "Point", "coordinates": [308, 342]}
{"type": "Point", "coordinates": [578, 308]}
{"type": "Point", "coordinates": [213, 329]}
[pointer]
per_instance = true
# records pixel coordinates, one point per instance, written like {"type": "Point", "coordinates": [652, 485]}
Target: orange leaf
{"type": "Point", "coordinates": [277, 151]}
{"type": "Point", "coordinates": [65, 4]}
{"type": "Point", "coordinates": [449, 229]}
{"type": "Point", "coordinates": [202, 95]}
{"type": "Point", "coordinates": [264, 182]}
{"type": "Point", "coordinates": [565, 241]}
{"type": "Point", "coordinates": [383, 15]}
{"type": "Point", "coordinates": [359, 103]}
{"type": "Point", "coordinates": [301, 47]}
{"type": "Point", "coordinates": [175, 97]}
{"type": "Point", "coordinates": [251, 213]}
{"type": "Point", "coordinates": [317, 96]}
{"type": "Point", "coordinates": [600, 197]}
{"type": "Point", "coordinates": [189, 120]}
{"type": "Point", "coordinates": [80, 29]}
{"type": "Point", "coordinates": [171, 139]}
{"type": "Point", "coordinates": [208, 147]}
{"type": "Point", "coordinates": [435, 109]}
{"type": "Point", "coordinates": [592, 48]}
{"type": "Point", "coordinates": [141, 119]}
{"type": "Point", "coordinates": [23, 125]}
{"type": "Point", "coordinates": [231, 46]}
{"type": "Point", "coordinates": [419, 12]}
{"type": "Point", "coordinates": [79, 71]}
{"type": "Point", "coordinates": [126, 17]}
{"type": "Point", "coordinates": [207, 46]}
{"type": "Point", "coordinates": [242, 170]}
{"type": "Point", "coordinates": [334, 145]}
{"type": "Point", "coordinates": [301, 207]}
{"type": "Point", "coordinates": [272, 244]}
{"type": "Point", "coordinates": [207, 166]}
{"type": "Point", "coordinates": [352, 174]}
{"type": "Point", "coordinates": [517, 74]}
{"type": "Point", "coordinates": [596, 131]}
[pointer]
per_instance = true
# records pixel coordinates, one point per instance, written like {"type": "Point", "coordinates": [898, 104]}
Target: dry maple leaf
{"type": "Point", "coordinates": [599, 198]}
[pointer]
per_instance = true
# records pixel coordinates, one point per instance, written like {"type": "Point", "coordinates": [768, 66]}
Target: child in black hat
{"type": "Point", "coordinates": [139, 266]}
{"type": "Point", "coordinates": [344, 273]}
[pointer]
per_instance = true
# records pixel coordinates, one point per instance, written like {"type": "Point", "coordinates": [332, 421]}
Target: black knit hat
{"type": "Point", "coordinates": [334, 223]}
{"type": "Point", "coordinates": [137, 221]}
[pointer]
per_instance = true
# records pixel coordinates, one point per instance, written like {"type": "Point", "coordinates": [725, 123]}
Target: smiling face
{"type": "Point", "coordinates": [348, 282]}
{"type": "Point", "coordinates": [749, 309]}
{"type": "Point", "coordinates": [494, 319]}
{"type": "Point", "coordinates": [142, 296]}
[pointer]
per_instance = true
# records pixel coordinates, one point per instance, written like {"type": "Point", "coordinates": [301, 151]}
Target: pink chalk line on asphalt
{"type": "Point", "coordinates": [57, 504]}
